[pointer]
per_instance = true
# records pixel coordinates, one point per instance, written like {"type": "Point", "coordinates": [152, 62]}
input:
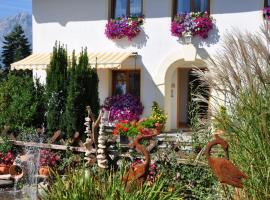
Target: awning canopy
{"type": "Point", "coordinates": [102, 59]}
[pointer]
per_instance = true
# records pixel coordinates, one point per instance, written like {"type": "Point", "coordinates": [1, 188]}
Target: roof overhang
{"type": "Point", "coordinates": [107, 60]}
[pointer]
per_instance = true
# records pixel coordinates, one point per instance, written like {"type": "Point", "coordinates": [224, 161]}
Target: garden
{"type": "Point", "coordinates": [59, 141]}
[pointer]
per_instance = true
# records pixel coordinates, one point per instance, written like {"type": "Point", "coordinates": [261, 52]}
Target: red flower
{"type": "Point", "coordinates": [115, 132]}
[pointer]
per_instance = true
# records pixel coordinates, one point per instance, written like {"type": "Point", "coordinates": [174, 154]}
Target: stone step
{"type": "Point", "coordinates": [6, 183]}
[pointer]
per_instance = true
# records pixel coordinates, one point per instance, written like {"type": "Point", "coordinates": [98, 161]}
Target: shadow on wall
{"type": "Point", "coordinates": [64, 11]}
{"type": "Point", "coordinates": [149, 90]}
{"type": "Point", "coordinates": [139, 42]}
{"type": "Point", "coordinates": [213, 38]}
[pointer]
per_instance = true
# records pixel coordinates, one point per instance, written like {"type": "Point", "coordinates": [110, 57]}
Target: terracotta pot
{"type": "Point", "coordinates": [4, 169]}
{"type": "Point", "coordinates": [16, 172]}
{"type": "Point", "coordinates": [45, 171]}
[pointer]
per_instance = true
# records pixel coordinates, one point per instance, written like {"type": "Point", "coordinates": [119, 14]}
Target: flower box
{"type": "Point", "coordinates": [123, 27]}
{"type": "Point", "coordinates": [194, 23]}
{"type": "Point", "coordinates": [266, 13]}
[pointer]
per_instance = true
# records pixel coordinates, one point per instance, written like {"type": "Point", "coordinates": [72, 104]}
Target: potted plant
{"type": "Point", "coordinates": [191, 24]}
{"type": "Point", "coordinates": [48, 160]}
{"type": "Point", "coordinates": [127, 130]}
{"type": "Point", "coordinates": [122, 27]}
{"type": "Point", "coordinates": [6, 160]}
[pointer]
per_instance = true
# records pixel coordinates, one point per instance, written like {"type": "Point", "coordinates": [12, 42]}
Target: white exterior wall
{"type": "Point", "coordinates": [81, 23]}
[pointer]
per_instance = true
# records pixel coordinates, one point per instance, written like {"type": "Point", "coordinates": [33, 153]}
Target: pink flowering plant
{"type": "Point", "coordinates": [7, 158]}
{"type": "Point", "coordinates": [194, 23]}
{"type": "Point", "coordinates": [123, 107]}
{"type": "Point", "coordinates": [48, 158]}
{"type": "Point", "coordinates": [266, 13]}
{"type": "Point", "coordinates": [123, 27]}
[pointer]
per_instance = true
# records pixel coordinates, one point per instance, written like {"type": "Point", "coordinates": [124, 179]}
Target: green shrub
{"type": "Point", "coordinates": [82, 92]}
{"type": "Point", "coordinates": [21, 103]}
{"type": "Point", "coordinates": [56, 88]}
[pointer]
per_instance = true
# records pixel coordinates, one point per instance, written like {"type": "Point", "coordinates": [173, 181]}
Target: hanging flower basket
{"type": "Point", "coordinates": [266, 13]}
{"type": "Point", "coordinates": [124, 27]}
{"type": "Point", "coordinates": [194, 23]}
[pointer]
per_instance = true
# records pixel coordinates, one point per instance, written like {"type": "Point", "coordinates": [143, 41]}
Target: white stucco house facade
{"type": "Point", "coordinates": [162, 62]}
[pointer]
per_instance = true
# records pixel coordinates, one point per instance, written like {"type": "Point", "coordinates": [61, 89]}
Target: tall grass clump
{"type": "Point", "coordinates": [87, 184]}
{"type": "Point", "coordinates": [240, 72]}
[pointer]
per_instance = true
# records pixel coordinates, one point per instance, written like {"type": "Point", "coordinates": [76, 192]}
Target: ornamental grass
{"type": "Point", "coordinates": [240, 72]}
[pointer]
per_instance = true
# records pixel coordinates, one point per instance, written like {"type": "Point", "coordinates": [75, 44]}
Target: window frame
{"type": "Point", "coordinates": [112, 8]}
{"type": "Point", "coordinates": [192, 6]}
{"type": "Point", "coordinates": [266, 3]}
{"type": "Point", "coordinates": [127, 72]}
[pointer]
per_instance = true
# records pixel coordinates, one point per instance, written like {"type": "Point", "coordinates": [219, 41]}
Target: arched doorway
{"type": "Point", "coordinates": [168, 80]}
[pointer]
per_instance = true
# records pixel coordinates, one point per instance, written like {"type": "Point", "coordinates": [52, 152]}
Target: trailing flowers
{"type": "Point", "coordinates": [123, 27]}
{"type": "Point", "coordinates": [194, 23]}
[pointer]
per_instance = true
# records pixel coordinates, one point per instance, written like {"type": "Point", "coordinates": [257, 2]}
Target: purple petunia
{"type": "Point", "coordinates": [119, 28]}
{"type": "Point", "coordinates": [123, 107]}
{"type": "Point", "coordinates": [196, 24]}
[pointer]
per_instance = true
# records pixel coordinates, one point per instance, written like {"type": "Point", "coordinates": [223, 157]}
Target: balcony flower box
{"type": "Point", "coordinates": [266, 13]}
{"type": "Point", "coordinates": [124, 27]}
{"type": "Point", "coordinates": [194, 23]}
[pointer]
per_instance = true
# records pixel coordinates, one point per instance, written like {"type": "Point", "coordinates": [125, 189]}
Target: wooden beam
{"type": "Point", "coordinates": [50, 146]}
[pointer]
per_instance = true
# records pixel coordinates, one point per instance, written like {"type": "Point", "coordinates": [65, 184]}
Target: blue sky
{"type": "Point", "coordinates": [12, 7]}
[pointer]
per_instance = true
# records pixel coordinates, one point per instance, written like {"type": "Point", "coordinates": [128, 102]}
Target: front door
{"type": "Point", "coordinates": [189, 87]}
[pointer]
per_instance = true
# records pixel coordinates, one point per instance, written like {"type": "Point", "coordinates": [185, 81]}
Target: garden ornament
{"type": "Point", "coordinates": [225, 170]}
{"type": "Point", "coordinates": [137, 174]}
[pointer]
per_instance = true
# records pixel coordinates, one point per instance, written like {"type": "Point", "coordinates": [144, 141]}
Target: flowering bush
{"type": "Point", "coordinates": [266, 13]}
{"type": "Point", "coordinates": [195, 24]}
{"type": "Point", "coordinates": [158, 114]}
{"type": "Point", "coordinates": [7, 159]}
{"type": "Point", "coordinates": [48, 158]}
{"type": "Point", "coordinates": [126, 128]}
{"type": "Point", "coordinates": [122, 27]}
{"type": "Point", "coordinates": [123, 107]}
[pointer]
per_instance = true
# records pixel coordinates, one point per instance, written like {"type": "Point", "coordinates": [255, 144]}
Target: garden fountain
{"type": "Point", "coordinates": [24, 172]}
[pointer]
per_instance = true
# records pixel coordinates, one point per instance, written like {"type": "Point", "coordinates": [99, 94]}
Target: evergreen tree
{"type": "Point", "coordinates": [16, 47]}
{"type": "Point", "coordinates": [82, 91]}
{"type": "Point", "coordinates": [56, 88]}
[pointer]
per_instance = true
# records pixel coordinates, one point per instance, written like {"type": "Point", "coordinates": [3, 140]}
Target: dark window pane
{"type": "Point", "coordinates": [200, 5]}
{"type": "Point", "coordinates": [268, 2]}
{"type": "Point", "coordinates": [134, 83]}
{"type": "Point", "coordinates": [120, 8]}
{"type": "Point", "coordinates": [120, 83]}
{"type": "Point", "coordinates": [183, 6]}
{"type": "Point", "coordinates": [136, 7]}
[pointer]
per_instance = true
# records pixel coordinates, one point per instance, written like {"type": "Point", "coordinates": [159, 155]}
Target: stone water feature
{"type": "Point", "coordinates": [27, 186]}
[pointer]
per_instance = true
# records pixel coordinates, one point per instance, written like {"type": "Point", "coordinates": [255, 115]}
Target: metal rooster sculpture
{"type": "Point", "coordinates": [225, 170]}
{"type": "Point", "coordinates": [137, 174]}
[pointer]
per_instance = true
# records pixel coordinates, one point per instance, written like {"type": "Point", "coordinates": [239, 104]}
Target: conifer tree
{"type": "Point", "coordinates": [56, 88]}
{"type": "Point", "coordinates": [82, 91]}
{"type": "Point", "coordinates": [16, 47]}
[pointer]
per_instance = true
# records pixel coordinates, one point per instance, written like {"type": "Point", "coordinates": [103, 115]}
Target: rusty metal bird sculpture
{"type": "Point", "coordinates": [137, 174]}
{"type": "Point", "coordinates": [225, 170]}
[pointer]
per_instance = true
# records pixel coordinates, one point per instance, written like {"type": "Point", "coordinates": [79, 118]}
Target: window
{"type": "Point", "coordinates": [266, 3]}
{"type": "Point", "coordinates": [126, 82]}
{"type": "Point", "coordinates": [186, 6]}
{"type": "Point", "coordinates": [121, 8]}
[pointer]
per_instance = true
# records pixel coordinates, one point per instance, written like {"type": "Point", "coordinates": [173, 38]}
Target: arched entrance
{"type": "Point", "coordinates": [173, 81]}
